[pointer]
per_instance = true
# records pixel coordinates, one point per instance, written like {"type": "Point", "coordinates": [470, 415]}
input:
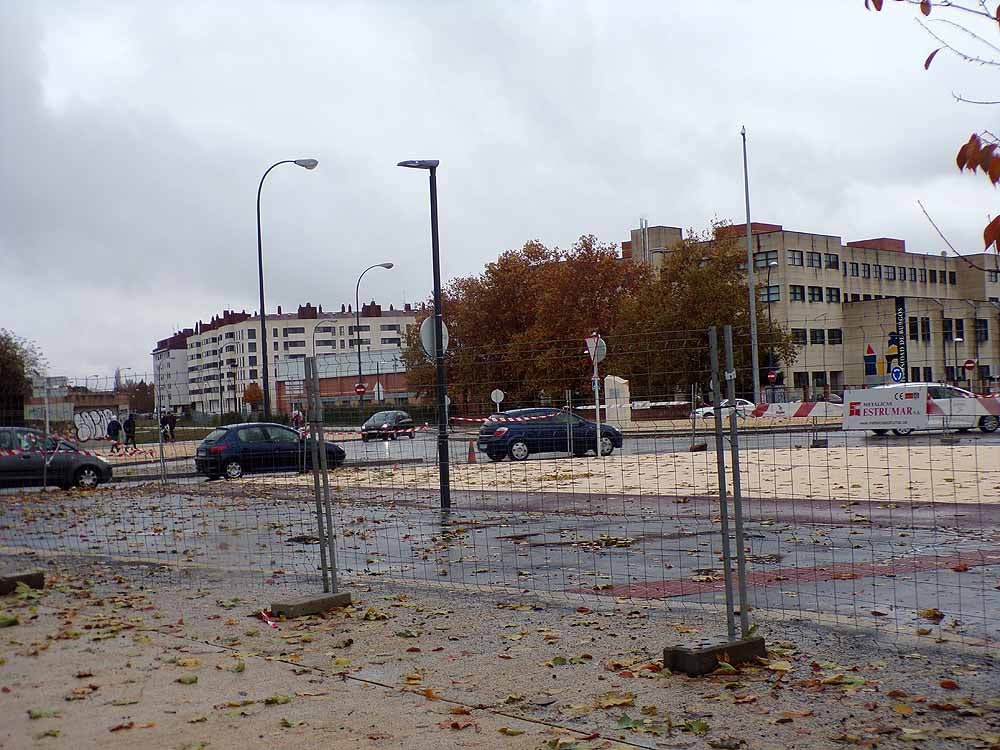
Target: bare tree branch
{"type": "Point", "coordinates": [948, 243]}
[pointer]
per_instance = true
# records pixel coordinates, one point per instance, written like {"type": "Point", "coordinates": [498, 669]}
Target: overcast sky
{"type": "Point", "coordinates": [134, 135]}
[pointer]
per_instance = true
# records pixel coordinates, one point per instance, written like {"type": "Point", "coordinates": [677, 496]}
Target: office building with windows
{"type": "Point", "coordinates": [840, 298]}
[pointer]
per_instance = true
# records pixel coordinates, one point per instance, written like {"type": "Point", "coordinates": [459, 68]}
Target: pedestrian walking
{"type": "Point", "coordinates": [172, 425]}
{"type": "Point", "coordinates": [114, 431]}
{"type": "Point", "coordinates": [298, 420]}
{"type": "Point", "coordinates": [129, 428]}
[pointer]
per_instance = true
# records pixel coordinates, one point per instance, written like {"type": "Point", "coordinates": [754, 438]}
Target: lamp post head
{"type": "Point", "coordinates": [307, 163]}
{"type": "Point", "coordinates": [773, 264]}
{"type": "Point", "coordinates": [419, 163]}
{"type": "Point", "coordinates": [385, 265]}
{"type": "Point", "coordinates": [958, 340]}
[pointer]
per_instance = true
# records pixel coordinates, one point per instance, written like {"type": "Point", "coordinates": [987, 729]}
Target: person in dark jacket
{"type": "Point", "coordinates": [114, 433]}
{"type": "Point", "coordinates": [172, 424]}
{"type": "Point", "coordinates": [129, 428]}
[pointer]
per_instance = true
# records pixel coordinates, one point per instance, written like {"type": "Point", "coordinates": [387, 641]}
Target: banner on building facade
{"type": "Point", "coordinates": [901, 337]}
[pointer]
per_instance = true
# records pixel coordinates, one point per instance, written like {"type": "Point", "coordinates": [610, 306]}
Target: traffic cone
{"type": "Point", "coordinates": [472, 451]}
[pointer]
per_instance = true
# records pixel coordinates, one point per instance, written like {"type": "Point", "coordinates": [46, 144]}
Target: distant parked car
{"type": "Point", "coordinates": [28, 457]}
{"type": "Point", "coordinates": [387, 425]}
{"type": "Point", "coordinates": [253, 447]}
{"type": "Point", "coordinates": [956, 409]}
{"type": "Point", "coordinates": [742, 406]}
{"type": "Point", "coordinates": [543, 431]}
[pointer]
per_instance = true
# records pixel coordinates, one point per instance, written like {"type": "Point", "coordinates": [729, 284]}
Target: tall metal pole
{"type": "Point", "coordinates": [734, 444]}
{"type": "Point", "coordinates": [265, 354]}
{"type": "Point", "coordinates": [442, 438]}
{"type": "Point", "coordinates": [357, 333]}
{"type": "Point", "coordinates": [720, 458]}
{"type": "Point", "coordinates": [751, 282]}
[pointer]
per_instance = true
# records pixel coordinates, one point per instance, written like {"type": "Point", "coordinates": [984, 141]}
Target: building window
{"type": "Point", "coordinates": [866, 297]}
{"type": "Point", "coordinates": [934, 276]}
{"type": "Point", "coordinates": [815, 294]}
{"type": "Point", "coordinates": [878, 271]}
{"type": "Point", "coordinates": [949, 373]}
{"type": "Point", "coordinates": [814, 260]}
{"type": "Point", "coordinates": [831, 260]}
{"type": "Point", "coordinates": [923, 275]}
{"type": "Point", "coordinates": [835, 336]}
{"type": "Point", "coordinates": [928, 375]}
{"type": "Point", "coordinates": [342, 330]}
{"type": "Point", "coordinates": [799, 336]}
{"type": "Point", "coordinates": [392, 342]}
{"type": "Point", "coordinates": [253, 374]}
{"type": "Point", "coordinates": [360, 342]}
{"type": "Point", "coordinates": [914, 331]}
{"type": "Point", "coordinates": [984, 372]}
{"type": "Point", "coordinates": [274, 344]}
{"type": "Point", "coordinates": [362, 329]}
{"type": "Point", "coordinates": [765, 258]}
{"type": "Point", "coordinates": [925, 329]}
{"type": "Point", "coordinates": [832, 294]}
{"type": "Point", "coordinates": [252, 346]}
{"type": "Point", "coordinates": [251, 333]}
{"type": "Point", "coordinates": [993, 276]}
{"type": "Point", "coordinates": [854, 269]}
{"type": "Point", "coordinates": [392, 327]}
{"type": "Point", "coordinates": [798, 293]}
{"type": "Point", "coordinates": [844, 266]}
{"type": "Point", "coordinates": [959, 328]}
{"type": "Point", "coordinates": [326, 342]}
{"type": "Point", "coordinates": [253, 362]}
{"type": "Point", "coordinates": [817, 336]}
{"type": "Point", "coordinates": [946, 329]}
{"type": "Point", "coordinates": [913, 274]}
{"type": "Point", "coordinates": [982, 329]}
{"type": "Point", "coordinates": [951, 278]}
{"type": "Point", "coordinates": [770, 293]}
{"type": "Point", "coordinates": [274, 332]}
{"type": "Point", "coordinates": [914, 374]}
{"type": "Point", "coordinates": [866, 270]}
{"type": "Point", "coordinates": [794, 257]}
{"type": "Point", "coordinates": [855, 298]}
{"type": "Point", "coordinates": [819, 379]}
{"type": "Point", "coordinates": [343, 344]}
{"type": "Point", "coordinates": [890, 273]}
{"type": "Point", "coordinates": [800, 380]}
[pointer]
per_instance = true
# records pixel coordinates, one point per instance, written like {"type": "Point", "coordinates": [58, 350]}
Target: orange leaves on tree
{"type": "Point", "coordinates": [930, 58]}
{"type": "Point", "coordinates": [925, 7]}
{"type": "Point", "coordinates": [992, 233]}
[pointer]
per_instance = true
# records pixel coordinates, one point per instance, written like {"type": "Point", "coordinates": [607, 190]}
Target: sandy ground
{"type": "Point", "coordinates": [927, 473]}
{"type": "Point", "coordinates": [100, 661]}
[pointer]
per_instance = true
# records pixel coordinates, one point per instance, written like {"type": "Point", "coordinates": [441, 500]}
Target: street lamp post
{"type": "Point", "coordinates": [956, 341]}
{"type": "Point", "coordinates": [751, 284]}
{"type": "Point", "coordinates": [357, 321]}
{"type": "Point", "coordinates": [265, 354]}
{"type": "Point", "coordinates": [431, 166]}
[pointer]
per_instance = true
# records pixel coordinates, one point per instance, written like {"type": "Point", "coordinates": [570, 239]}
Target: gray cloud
{"type": "Point", "coordinates": [135, 135]}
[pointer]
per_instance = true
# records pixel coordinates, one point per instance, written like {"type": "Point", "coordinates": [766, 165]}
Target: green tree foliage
{"type": "Point", "coordinates": [140, 396]}
{"type": "Point", "coordinates": [20, 361]}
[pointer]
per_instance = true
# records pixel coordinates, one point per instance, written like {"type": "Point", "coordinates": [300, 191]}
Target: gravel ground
{"type": "Point", "coordinates": [103, 661]}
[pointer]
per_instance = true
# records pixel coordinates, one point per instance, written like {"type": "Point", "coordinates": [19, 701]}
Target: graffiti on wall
{"type": "Point", "coordinates": [92, 424]}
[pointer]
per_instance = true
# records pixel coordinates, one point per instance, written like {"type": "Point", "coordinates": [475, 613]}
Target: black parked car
{"type": "Point", "coordinates": [387, 425]}
{"type": "Point", "coordinates": [28, 458]}
{"type": "Point", "coordinates": [543, 431]}
{"type": "Point", "coordinates": [253, 447]}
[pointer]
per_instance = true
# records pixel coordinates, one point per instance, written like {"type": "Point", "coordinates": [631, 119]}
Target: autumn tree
{"type": "Point", "coordinates": [253, 395]}
{"type": "Point", "coordinates": [20, 361]}
{"type": "Point", "coordinates": [519, 326]}
{"type": "Point", "coordinates": [965, 31]}
{"type": "Point", "coordinates": [140, 396]}
{"type": "Point", "coordinates": [660, 341]}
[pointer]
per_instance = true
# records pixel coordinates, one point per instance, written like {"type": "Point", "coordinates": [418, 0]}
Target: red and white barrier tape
{"type": "Point", "coordinates": [503, 419]}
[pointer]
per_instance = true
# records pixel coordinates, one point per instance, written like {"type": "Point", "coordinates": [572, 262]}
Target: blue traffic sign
{"type": "Point", "coordinates": [897, 374]}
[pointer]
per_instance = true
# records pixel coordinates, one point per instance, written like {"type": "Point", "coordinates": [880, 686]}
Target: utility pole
{"type": "Point", "coordinates": [751, 281]}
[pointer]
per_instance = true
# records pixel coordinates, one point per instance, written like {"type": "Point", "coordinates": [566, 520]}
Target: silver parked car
{"type": "Point", "coordinates": [28, 459]}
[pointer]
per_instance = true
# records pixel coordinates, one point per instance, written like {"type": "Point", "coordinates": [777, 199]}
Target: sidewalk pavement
{"type": "Point", "coordinates": [113, 657]}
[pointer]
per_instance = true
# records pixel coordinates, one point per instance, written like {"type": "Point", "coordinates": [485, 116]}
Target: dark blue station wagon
{"type": "Point", "coordinates": [254, 447]}
{"type": "Point", "coordinates": [544, 431]}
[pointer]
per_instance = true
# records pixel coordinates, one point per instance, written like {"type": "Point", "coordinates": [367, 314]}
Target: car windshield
{"type": "Point", "coordinates": [381, 416]}
{"type": "Point", "coordinates": [216, 435]}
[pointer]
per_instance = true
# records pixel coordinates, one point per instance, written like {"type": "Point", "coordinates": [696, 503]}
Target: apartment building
{"type": "Point", "coordinates": [840, 301]}
{"type": "Point", "coordinates": [223, 356]}
{"type": "Point", "coordinates": [170, 368]}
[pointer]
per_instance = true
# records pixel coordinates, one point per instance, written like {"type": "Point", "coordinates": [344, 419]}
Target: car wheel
{"type": "Point", "coordinates": [607, 446]}
{"type": "Point", "coordinates": [393, 436]}
{"type": "Point", "coordinates": [412, 435]}
{"type": "Point", "coordinates": [579, 453]}
{"type": "Point", "coordinates": [233, 469]}
{"type": "Point", "coordinates": [518, 450]}
{"type": "Point", "coordinates": [989, 423]}
{"type": "Point", "coordinates": [86, 478]}
{"type": "Point", "coordinates": [880, 432]}
{"type": "Point", "coordinates": [708, 415]}
{"type": "Point", "coordinates": [902, 433]}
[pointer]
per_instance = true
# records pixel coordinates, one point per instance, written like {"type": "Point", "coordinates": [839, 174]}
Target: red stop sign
{"type": "Point", "coordinates": [359, 388]}
{"type": "Point", "coordinates": [772, 376]}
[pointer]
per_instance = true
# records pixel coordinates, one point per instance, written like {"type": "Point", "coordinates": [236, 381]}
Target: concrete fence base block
{"type": "Point", "coordinates": [35, 579]}
{"type": "Point", "coordinates": [949, 439]}
{"type": "Point", "coordinates": [698, 447]}
{"type": "Point", "coordinates": [309, 605]}
{"type": "Point", "coordinates": [703, 656]}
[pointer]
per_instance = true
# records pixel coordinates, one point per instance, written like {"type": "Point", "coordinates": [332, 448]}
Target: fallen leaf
{"type": "Point", "coordinates": [510, 732]}
{"type": "Point", "coordinates": [8, 621]}
{"type": "Point", "coordinates": [902, 708]}
{"type": "Point", "coordinates": [460, 711]}
{"type": "Point", "coordinates": [187, 679]}
{"type": "Point", "coordinates": [612, 700]}
{"type": "Point", "coordinates": [933, 614]}
{"type": "Point", "coordinates": [780, 666]}
{"type": "Point", "coordinates": [123, 726]}
{"type": "Point", "coordinates": [43, 713]}
{"type": "Point", "coordinates": [430, 695]}
{"type": "Point", "coordinates": [188, 663]}
{"type": "Point", "coordinates": [949, 684]}
{"type": "Point", "coordinates": [277, 700]}
{"type": "Point", "coordinates": [48, 733]}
